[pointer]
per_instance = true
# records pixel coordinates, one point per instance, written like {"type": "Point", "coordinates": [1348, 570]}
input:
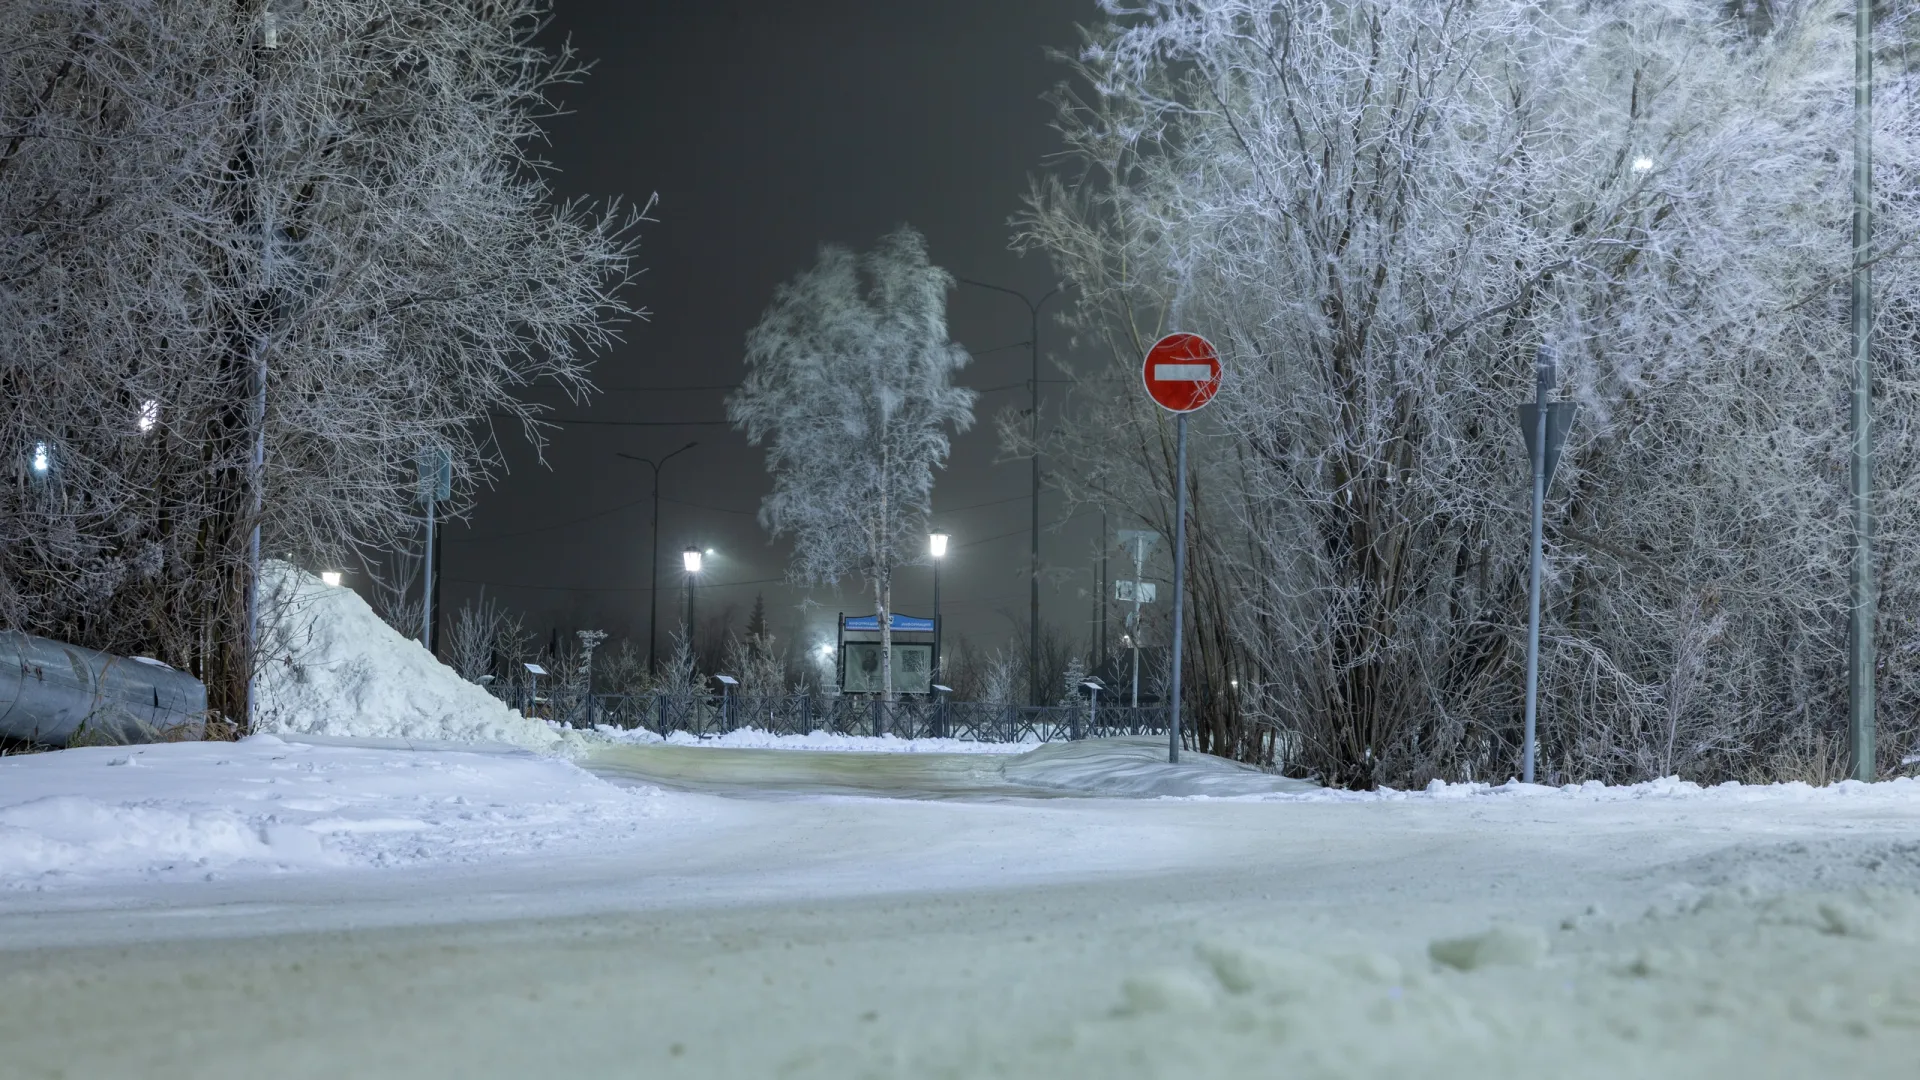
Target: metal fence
{"type": "Point", "coordinates": [800, 714]}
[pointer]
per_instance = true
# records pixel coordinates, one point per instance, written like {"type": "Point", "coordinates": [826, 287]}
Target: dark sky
{"type": "Point", "coordinates": [767, 129]}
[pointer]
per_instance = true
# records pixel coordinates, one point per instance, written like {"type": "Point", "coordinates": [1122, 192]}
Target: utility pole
{"type": "Point", "coordinates": [436, 486]}
{"type": "Point", "coordinates": [1034, 690]}
{"type": "Point", "coordinates": [653, 607]}
{"type": "Point", "coordinates": [1860, 624]}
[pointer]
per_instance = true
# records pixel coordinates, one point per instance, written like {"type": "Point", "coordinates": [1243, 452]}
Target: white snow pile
{"type": "Point", "coordinates": [333, 668]}
{"type": "Point", "coordinates": [756, 739]}
{"type": "Point", "coordinates": [181, 811]}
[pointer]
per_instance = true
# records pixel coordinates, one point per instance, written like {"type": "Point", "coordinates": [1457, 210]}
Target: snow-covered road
{"type": "Point", "coordinates": [552, 924]}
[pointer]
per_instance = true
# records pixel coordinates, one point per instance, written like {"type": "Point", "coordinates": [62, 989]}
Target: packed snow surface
{"type": "Point", "coordinates": [756, 739]}
{"type": "Point", "coordinates": [198, 811]}
{"type": "Point", "coordinates": [377, 911]}
{"type": "Point", "coordinates": [334, 668]}
{"type": "Point", "coordinates": [930, 768]}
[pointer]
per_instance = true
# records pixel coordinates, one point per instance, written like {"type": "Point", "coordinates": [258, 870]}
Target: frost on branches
{"type": "Point", "coordinates": [850, 387]}
{"type": "Point", "coordinates": [315, 224]}
{"type": "Point", "coordinates": [1379, 210]}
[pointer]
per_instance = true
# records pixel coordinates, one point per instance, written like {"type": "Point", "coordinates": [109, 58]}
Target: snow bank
{"type": "Point", "coordinates": [930, 768]}
{"type": "Point", "coordinates": [756, 739]}
{"type": "Point", "coordinates": [1668, 788]}
{"type": "Point", "coordinates": [334, 668]}
{"type": "Point", "coordinates": [1137, 767]}
{"type": "Point", "coordinates": [196, 810]}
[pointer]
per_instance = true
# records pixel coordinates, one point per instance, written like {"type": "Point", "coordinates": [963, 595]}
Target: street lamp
{"type": "Point", "coordinates": [691, 559]}
{"type": "Point", "coordinates": [330, 578]}
{"type": "Point", "coordinates": [937, 547]}
{"type": "Point", "coordinates": [1033, 386]}
{"type": "Point", "coordinates": [653, 609]}
{"type": "Point", "coordinates": [42, 459]}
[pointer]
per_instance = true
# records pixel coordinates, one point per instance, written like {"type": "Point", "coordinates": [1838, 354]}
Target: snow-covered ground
{"type": "Point", "coordinates": [184, 811]}
{"type": "Point", "coordinates": [756, 739]}
{"type": "Point", "coordinates": [389, 912]}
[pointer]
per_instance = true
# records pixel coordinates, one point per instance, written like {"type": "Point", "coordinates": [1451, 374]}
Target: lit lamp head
{"type": "Point", "coordinates": [691, 557]}
{"type": "Point", "coordinates": [937, 544]}
{"type": "Point", "coordinates": [330, 578]}
{"type": "Point", "coordinates": [42, 459]}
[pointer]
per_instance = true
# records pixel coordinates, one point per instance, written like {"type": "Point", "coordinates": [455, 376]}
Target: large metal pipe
{"type": "Point", "coordinates": [51, 691]}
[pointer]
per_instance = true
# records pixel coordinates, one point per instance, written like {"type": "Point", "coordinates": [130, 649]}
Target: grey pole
{"type": "Point", "coordinates": [1100, 592]}
{"type": "Point", "coordinates": [426, 583]}
{"type": "Point", "coordinates": [1034, 689]}
{"type": "Point", "coordinates": [1179, 586]}
{"type": "Point", "coordinates": [1860, 623]}
{"type": "Point", "coordinates": [1139, 567]}
{"type": "Point", "coordinates": [653, 603]}
{"type": "Point", "coordinates": [936, 619]}
{"type": "Point", "coordinates": [1543, 371]}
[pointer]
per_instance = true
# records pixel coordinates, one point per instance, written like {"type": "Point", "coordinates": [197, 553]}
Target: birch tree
{"type": "Point", "coordinates": [849, 386]}
{"type": "Point", "coordinates": [1380, 211]}
{"type": "Point", "coordinates": [254, 258]}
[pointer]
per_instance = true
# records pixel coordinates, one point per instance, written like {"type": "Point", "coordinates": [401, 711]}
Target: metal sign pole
{"type": "Point", "coordinates": [1543, 382]}
{"type": "Point", "coordinates": [1860, 620]}
{"type": "Point", "coordinates": [1179, 585]}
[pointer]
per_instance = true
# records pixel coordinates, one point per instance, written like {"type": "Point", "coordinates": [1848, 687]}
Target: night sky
{"type": "Point", "coordinates": [768, 129]}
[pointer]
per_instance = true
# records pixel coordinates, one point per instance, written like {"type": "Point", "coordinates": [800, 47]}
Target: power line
{"type": "Point", "coordinates": [704, 506]}
{"type": "Point", "coordinates": [611, 588]}
{"type": "Point", "coordinates": [543, 528]}
{"type": "Point", "coordinates": [978, 505]}
{"type": "Point", "coordinates": [578, 420]}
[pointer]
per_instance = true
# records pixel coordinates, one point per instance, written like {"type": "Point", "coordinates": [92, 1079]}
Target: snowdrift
{"type": "Point", "coordinates": [333, 668]}
{"type": "Point", "coordinates": [1094, 768]}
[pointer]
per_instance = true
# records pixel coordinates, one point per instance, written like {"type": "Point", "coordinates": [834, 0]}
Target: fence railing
{"type": "Point", "coordinates": [801, 714]}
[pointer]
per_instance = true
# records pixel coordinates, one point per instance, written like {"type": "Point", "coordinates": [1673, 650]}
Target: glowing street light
{"type": "Point", "coordinates": [691, 559]}
{"type": "Point", "coordinates": [937, 547]}
{"type": "Point", "coordinates": [330, 578]}
{"type": "Point", "coordinates": [149, 415]}
{"type": "Point", "coordinates": [1642, 164]}
{"type": "Point", "coordinates": [42, 459]}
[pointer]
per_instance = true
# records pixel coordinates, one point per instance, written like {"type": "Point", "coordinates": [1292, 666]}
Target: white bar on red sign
{"type": "Point", "coordinates": [1182, 372]}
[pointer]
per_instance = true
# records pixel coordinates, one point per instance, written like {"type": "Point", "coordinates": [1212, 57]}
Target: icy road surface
{"type": "Point", "coordinates": [429, 913]}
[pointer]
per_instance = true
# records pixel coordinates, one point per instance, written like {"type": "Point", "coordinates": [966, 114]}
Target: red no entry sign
{"type": "Point", "coordinates": [1182, 372]}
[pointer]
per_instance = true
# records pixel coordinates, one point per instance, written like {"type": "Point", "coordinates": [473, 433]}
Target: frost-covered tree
{"type": "Point", "coordinates": [254, 257]}
{"type": "Point", "coordinates": [850, 387]}
{"type": "Point", "coordinates": [1380, 210]}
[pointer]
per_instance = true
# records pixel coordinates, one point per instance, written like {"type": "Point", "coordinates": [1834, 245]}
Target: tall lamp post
{"type": "Point", "coordinates": [937, 548]}
{"type": "Point", "coordinates": [1033, 387]}
{"type": "Point", "coordinates": [653, 610]}
{"type": "Point", "coordinates": [691, 559]}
